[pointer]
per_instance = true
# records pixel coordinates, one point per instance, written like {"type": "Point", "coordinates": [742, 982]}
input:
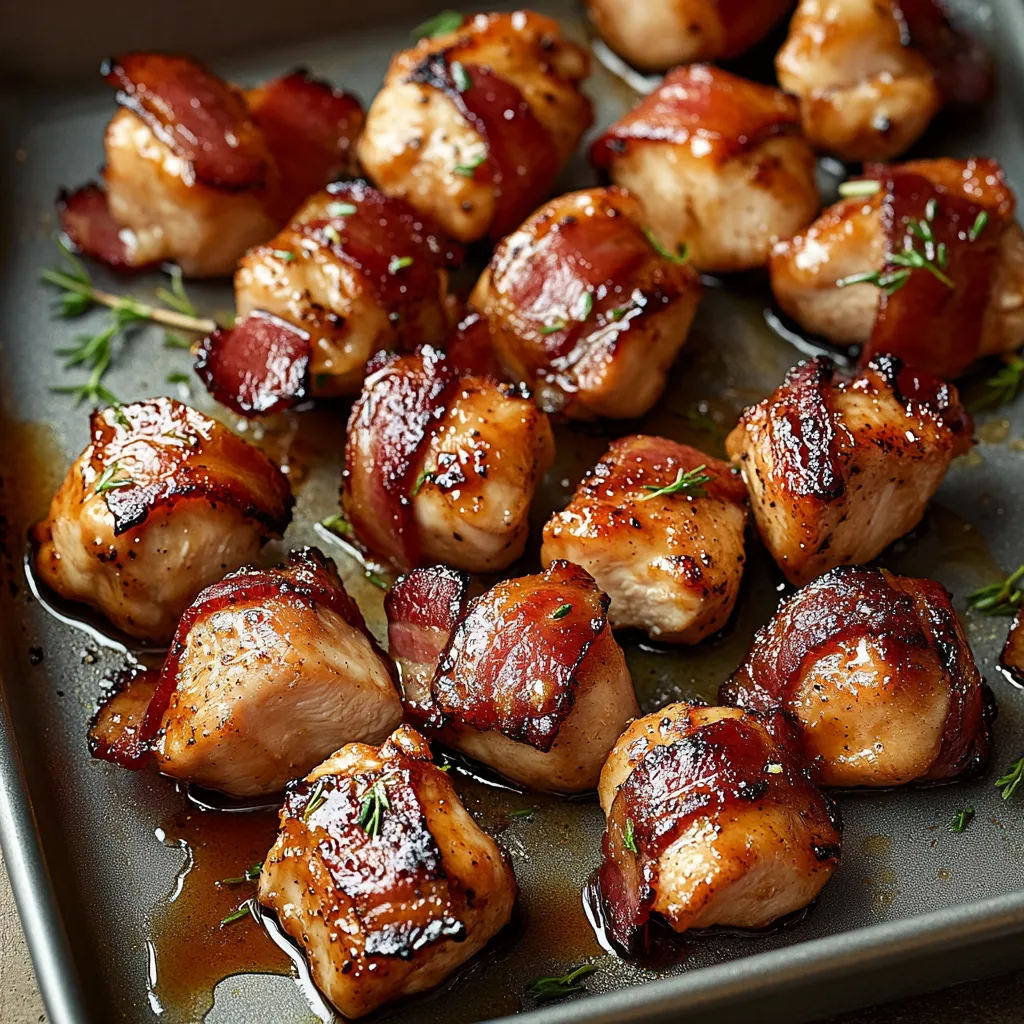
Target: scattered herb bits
{"type": "Point", "coordinates": [543, 989]}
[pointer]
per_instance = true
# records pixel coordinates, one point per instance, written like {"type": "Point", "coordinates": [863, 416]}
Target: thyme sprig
{"type": "Point", "coordinates": [1003, 386]}
{"type": "Point", "coordinates": [961, 820]}
{"type": "Point", "coordinates": [251, 874]}
{"type": "Point", "coordinates": [375, 804]}
{"type": "Point", "coordinates": [245, 910]}
{"type": "Point", "coordinates": [1009, 783]}
{"type": "Point", "coordinates": [679, 257]}
{"type": "Point", "coordinates": [690, 482]}
{"type": "Point", "coordinates": [338, 525]}
{"type": "Point", "coordinates": [441, 24]}
{"type": "Point", "coordinates": [107, 482]}
{"type": "Point", "coordinates": [563, 985]}
{"type": "Point", "coordinates": [999, 598]}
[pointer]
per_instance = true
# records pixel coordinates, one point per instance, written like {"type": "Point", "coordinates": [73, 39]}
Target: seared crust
{"type": "Point", "coordinates": [601, 342]}
{"type": "Point", "coordinates": [410, 896]}
{"type": "Point", "coordinates": [878, 671]}
{"type": "Point", "coordinates": [838, 468]}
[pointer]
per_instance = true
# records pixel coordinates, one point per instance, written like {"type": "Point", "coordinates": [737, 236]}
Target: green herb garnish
{"type": "Point", "coordinates": [399, 263]}
{"type": "Point", "coordinates": [1004, 386]}
{"type": "Point", "coordinates": [340, 209]}
{"type": "Point", "coordinates": [628, 837]}
{"type": "Point", "coordinates": [555, 325]}
{"type": "Point", "coordinates": [316, 799]}
{"type": "Point", "coordinates": [106, 482]}
{"type": "Point", "coordinates": [543, 989]}
{"type": "Point", "coordinates": [961, 820]}
{"type": "Point", "coordinates": [1011, 780]}
{"type": "Point", "coordinates": [978, 226]}
{"type": "Point", "coordinates": [283, 254]}
{"type": "Point", "coordinates": [338, 524]}
{"type": "Point", "coordinates": [859, 187]}
{"type": "Point", "coordinates": [998, 598]}
{"type": "Point", "coordinates": [584, 307]}
{"type": "Point", "coordinates": [460, 76]}
{"type": "Point", "coordinates": [561, 611]}
{"type": "Point", "coordinates": [378, 581]}
{"type": "Point", "coordinates": [689, 482]}
{"type": "Point", "coordinates": [679, 257]}
{"type": "Point", "coordinates": [250, 875]}
{"type": "Point", "coordinates": [523, 812]}
{"type": "Point", "coordinates": [424, 476]}
{"type": "Point", "coordinates": [245, 910]}
{"type": "Point", "coordinates": [441, 24]}
{"type": "Point", "coordinates": [375, 803]}
{"type": "Point", "coordinates": [467, 169]}
{"type": "Point", "coordinates": [177, 377]}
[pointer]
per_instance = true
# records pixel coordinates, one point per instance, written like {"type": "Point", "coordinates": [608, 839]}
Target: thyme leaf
{"type": "Point", "coordinates": [561, 611]}
{"type": "Point", "coordinates": [679, 257]}
{"type": "Point", "coordinates": [338, 524]}
{"type": "Point", "coordinates": [689, 482]}
{"type": "Point", "coordinates": [469, 167]}
{"type": "Point", "coordinates": [961, 820]}
{"type": "Point", "coordinates": [245, 910]}
{"type": "Point", "coordinates": [998, 598]}
{"type": "Point", "coordinates": [375, 804]}
{"type": "Point", "coordinates": [568, 984]}
{"type": "Point", "coordinates": [629, 837]}
{"type": "Point", "coordinates": [316, 799]}
{"type": "Point", "coordinates": [1010, 782]}
{"type": "Point", "coordinates": [859, 187]}
{"type": "Point", "coordinates": [440, 24]}
{"type": "Point", "coordinates": [106, 481]}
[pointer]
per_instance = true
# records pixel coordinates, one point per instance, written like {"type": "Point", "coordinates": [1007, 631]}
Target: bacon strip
{"type": "Point", "coordinates": [1012, 657]}
{"type": "Point", "coordinates": [716, 114]}
{"type": "Point", "coordinates": [403, 398]}
{"type": "Point", "coordinates": [925, 322]}
{"type": "Point", "coordinates": [310, 129]}
{"type": "Point", "coordinates": [423, 609]}
{"type": "Point", "coordinates": [470, 348]}
{"type": "Point", "coordinates": [114, 734]}
{"type": "Point", "coordinates": [498, 112]}
{"type": "Point", "coordinates": [258, 366]}
{"type": "Point", "coordinates": [201, 117]}
{"type": "Point", "coordinates": [532, 628]}
{"type": "Point", "coordinates": [86, 219]}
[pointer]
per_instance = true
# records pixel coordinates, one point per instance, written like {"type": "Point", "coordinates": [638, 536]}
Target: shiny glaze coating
{"type": "Point", "coordinates": [1012, 657]}
{"type": "Point", "coordinates": [878, 671]}
{"type": "Point", "coordinates": [718, 164]}
{"type": "Point", "coordinates": [387, 910]}
{"type": "Point", "coordinates": [583, 307]}
{"type": "Point", "coordinates": [526, 678]}
{"type": "Point", "coordinates": [473, 127]}
{"type": "Point", "coordinates": [838, 468]}
{"type": "Point", "coordinates": [671, 564]}
{"type": "Point", "coordinates": [711, 820]}
{"type": "Point", "coordinates": [181, 501]}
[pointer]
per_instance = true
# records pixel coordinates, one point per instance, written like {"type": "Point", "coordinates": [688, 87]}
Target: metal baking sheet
{"type": "Point", "coordinates": [97, 855]}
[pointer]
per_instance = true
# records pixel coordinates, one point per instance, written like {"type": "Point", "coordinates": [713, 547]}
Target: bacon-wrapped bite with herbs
{"type": "Point", "coordinates": [198, 170]}
{"type": "Point", "coordinates": [356, 272]}
{"type": "Point", "coordinates": [1012, 658]}
{"type": "Point", "coordinates": [473, 126]}
{"type": "Point", "coordinates": [871, 74]}
{"type": "Point", "coordinates": [526, 678]}
{"type": "Point", "coordinates": [270, 671]}
{"type": "Point", "coordinates": [879, 674]}
{"type": "Point", "coordinates": [659, 525]}
{"type": "Point", "coordinates": [441, 467]}
{"type": "Point", "coordinates": [163, 502]}
{"type": "Point", "coordinates": [838, 467]}
{"type": "Point", "coordinates": [711, 820]}
{"type": "Point", "coordinates": [658, 34]}
{"type": "Point", "coordinates": [381, 876]}
{"type": "Point", "coordinates": [718, 164]}
{"type": "Point", "coordinates": [922, 260]}
{"type": "Point", "coordinates": [586, 306]}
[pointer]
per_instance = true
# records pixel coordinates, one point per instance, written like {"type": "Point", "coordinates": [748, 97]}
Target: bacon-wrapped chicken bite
{"type": "Point", "coordinates": [197, 170]}
{"type": "Point", "coordinates": [718, 164]}
{"type": "Point", "coordinates": [658, 34]}
{"type": "Point", "coordinates": [660, 527]}
{"type": "Point", "coordinates": [441, 467]}
{"type": "Point", "coordinates": [382, 877]}
{"type": "Point", "coordinates": [587, 307]}
{"type": "Point", "coordinates": [473, 127]}
{"type": "Point", "coordinates": [162, 503]}
{"type": "Point", "coordinates": [871, 74]}
{"type": "Point", "coordinates": [878, 672]}
{"type": "Point", "coordinates": [355, 272]}
{"type": "Point", "coordinates": [711, 820]}
{"type": "Point", "coordinates": [526, 678]}
{"type": "Point", "coordinates": [1012, 658]}
{"type": "Point", "coordinates": [925, 262]}
{"type": "Point", "coordinates": [839, 467]}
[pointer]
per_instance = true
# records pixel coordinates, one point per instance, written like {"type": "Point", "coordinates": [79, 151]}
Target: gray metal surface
{"type": "Point", "coordinates": [913, 905]}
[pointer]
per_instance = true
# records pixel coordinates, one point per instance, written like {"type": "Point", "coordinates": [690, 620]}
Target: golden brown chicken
{"type": "Point", "coordinates": [871, 74]}
{"type": "Point", "coordinates": [711, 820]}
{"type": "Point", "coordinates": [270, 671]}
{"type": "Point", "coordinates": [658, 34]}
{"type": "Point", "coordinates": [718, 164]}
{"type": "Point", "coordinates": [441, 467]}
{"type": "Point", "coordinates": [878, 672]}
{"type": "Point", "coordinates": [526, 678]}
{"type": "Point", "coordinates": [382, 877]}
{"type": "Point", "coordinates": [585, 305]}
{"type": "Point", "coordinates": [923, 260]}
{"type": "Point", "coordinates": [197, 170]}
{"type": "Point", "coordinates": [473, 126]}
{"type": "Point", "coordinates": [660, 527]}
{"type": "Point", "coordinates": [839, 467]}
{"type": "Point", "coordinates": [162, 503]}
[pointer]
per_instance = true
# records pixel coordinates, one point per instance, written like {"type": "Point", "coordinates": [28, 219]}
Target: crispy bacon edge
{"type": "Point", "coordinates": [1011, 660]}
{"type": "Point", "coordinates": [90, 228]}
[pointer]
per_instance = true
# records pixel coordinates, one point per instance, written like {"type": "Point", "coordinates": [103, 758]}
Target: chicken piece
{"type": "Point", "coordinates": [381, 876]}
{"type": "Point", "coordinates": [839, 467]}
{"type": "Point", "coordinates": [878, 672]}
{"type": "Point", "coordinates": [660, 527]}
{"type": "Point", "coordinates": [711, 820]}
{"type": "Point", "coordinates": [871, 74]}
{"type": "Point", "coordinates": [718, 165]}
{"type": "Point", "coordinates": [197, 171]}
{"type": "Point", "coordinates": [659, 34]}
{"type": "Point", "coordinates": [1011, 660]}
{"type": "Point", "coordinates": [356, 271]}
{"type": "Point", "coordinates": [473, 127]}
{"type": "Point", "coordinates": [441, 467]}
{"type": "Point", "coordinates": [270, 671]}
{"type": "Point", "coordinates": [849, 277]}
{"type": "Point", "coordinates": [587, 307]}
{"type": "Point", "coordinates": [526, 678]}
{"type": "Point", "coordinates": [162, 503]}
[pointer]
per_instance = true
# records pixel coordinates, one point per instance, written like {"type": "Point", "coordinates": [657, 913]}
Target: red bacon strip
{"type": "Point", "coordinates": [114, 734]}
{"type": "Point", "coordinates": [423, 608]}
{"type": "Point", "coordinates": [310, 129]}
{"type": "Point", "coordinates": [86, 219]}
{"type": "Point", "coordinates": [201, 117]}
{"type": "Point", "coordinates": [259, 366]}
{"type": "Point", "coordinates": [403, 398]}
{"type": "Point", "coordinates": [470, 349]}
{"type": "Point", "coordinates": [532, 628]}
{"type": "Point", "coordinates": [1012, 658]}
{"type": "Point", "coordinates": [717, 114]}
